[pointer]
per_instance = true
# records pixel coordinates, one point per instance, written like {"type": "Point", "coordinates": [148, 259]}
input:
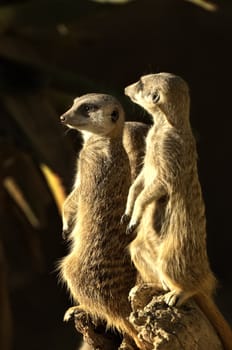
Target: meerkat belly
{"type": "Point", "coordinates": [95, 271]}
{"type": "Point", "coordinates": [150, 172]}
{"type": "Point", "coordinates": [98, 268]}
{"type": "Point", "coordinates": [182, 252]}
{"type": "Point", "coordinates": [143, 249]}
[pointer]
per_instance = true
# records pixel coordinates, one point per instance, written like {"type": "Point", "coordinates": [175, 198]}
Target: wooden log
{"type": "Point", "coordinates": [95, 335]}
{"type": "Point", "coordinates": [170, 328]}
{"type": "Point", "coordinates": [160, 327]}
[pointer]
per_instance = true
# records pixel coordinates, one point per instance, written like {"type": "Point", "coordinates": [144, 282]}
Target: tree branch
{"type": "Point", "coordinates": [160, 326]}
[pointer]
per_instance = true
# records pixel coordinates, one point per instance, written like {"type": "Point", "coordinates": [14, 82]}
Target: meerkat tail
{"type": "Point", "coordinates": [213, 314]}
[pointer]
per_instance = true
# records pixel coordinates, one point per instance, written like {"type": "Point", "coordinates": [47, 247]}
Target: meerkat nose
{"type": "Point", "coordinates": [63, 118]}
{"type": "Point", "coordinates": [126, 90]}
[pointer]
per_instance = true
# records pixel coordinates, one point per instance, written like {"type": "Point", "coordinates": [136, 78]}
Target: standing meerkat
{"type": "Point", "coordinates": [134, 135]}
{"type": "Point", "coordinates": [171, 254]}
{"type": "Point", "coordinates": [98, 270]}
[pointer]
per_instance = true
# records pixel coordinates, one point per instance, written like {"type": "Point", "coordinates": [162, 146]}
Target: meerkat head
{"type": "Point", "coordinates": [95, 113]}
{"type": "Point", "coordinates": [165, 96]}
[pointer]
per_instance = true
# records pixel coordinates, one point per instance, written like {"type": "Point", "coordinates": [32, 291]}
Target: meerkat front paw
{"type": "Point", "coordinates": [72, 312]}
{"type": "Point", "coordinates": [131, 227]}
{"type": "Point", "coordinates": [65, 233]}
{"type": "Point", "coordinates": [125, 219]}
{"type": "Point", "coordinates": [65, 229]}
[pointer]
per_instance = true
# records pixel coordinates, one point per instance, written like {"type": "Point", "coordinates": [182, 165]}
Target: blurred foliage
{"type": "Point", "coordinates": [206, 5]}
{"type": "Point", "coordinates": [34, 88]}
{"type": "Point", "coordinates": [35, 155]}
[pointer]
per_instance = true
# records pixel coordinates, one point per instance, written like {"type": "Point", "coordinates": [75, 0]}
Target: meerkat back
{"type": "Point", "coordinates": [134, 136]}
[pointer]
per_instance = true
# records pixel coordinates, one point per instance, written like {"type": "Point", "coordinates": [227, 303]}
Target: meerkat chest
{"type": "Point", "coordinates": [150, 172]}
{"type": "Point", "coordinates": [151, 159]}
{"type": "Point", "coordinates": [93, 176]}
{"type": "Point", "coordinates": [103, 174]}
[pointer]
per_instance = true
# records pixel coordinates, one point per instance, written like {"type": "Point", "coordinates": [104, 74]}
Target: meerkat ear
{"type": "Point", "coordinates": [114, 115]}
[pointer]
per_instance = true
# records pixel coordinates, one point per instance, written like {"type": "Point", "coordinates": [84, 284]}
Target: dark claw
{"type": "Point", "coordinates": [65, 233]}
{"type": "Point", "coordinates": [131, 229]}
{"type": "Point", "coordinates": [125, 219]}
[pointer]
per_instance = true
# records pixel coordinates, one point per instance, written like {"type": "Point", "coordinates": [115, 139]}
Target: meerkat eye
{"type": "Point", "coordinates": [114, 116]}
{"type": "Point", "coordinates": [155, 97]}
{"type": "Point", "coordinates": [86, 108]}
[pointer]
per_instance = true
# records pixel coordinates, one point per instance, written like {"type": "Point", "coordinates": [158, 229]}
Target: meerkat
{"type": "Point", "coordinates": [98, 270]}
{"type": "Point", "coordinates": [134, 134]}
{"type": "Point", "coordinates": [171, 254]}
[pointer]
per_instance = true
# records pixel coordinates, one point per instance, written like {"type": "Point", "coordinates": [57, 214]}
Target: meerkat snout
{"type": "Point", "coordinates": [133, 91]}
{"type": "Point", "coordinates": [67, 117]}
{"type": "Point", "coordinates": [62, 119]}
{"type": "Point", "coordinates": [127, 89]}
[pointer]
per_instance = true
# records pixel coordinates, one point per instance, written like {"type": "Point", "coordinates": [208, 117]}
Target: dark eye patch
{"type": "Point", "coordinates": [87, 108]}
{"type": "Point", "coordinates": [114, 115]}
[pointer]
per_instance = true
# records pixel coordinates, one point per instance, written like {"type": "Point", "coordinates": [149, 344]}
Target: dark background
{"type": "Point", "coordinates": [51, 51]}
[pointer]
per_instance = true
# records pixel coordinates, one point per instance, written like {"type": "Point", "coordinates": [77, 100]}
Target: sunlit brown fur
{"type": "Point", "coordinates": [134, 135]}
{"type": "Point", "coordinates": [165, 202]}
{"type": "Point", "coordinates": [98, 270]}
